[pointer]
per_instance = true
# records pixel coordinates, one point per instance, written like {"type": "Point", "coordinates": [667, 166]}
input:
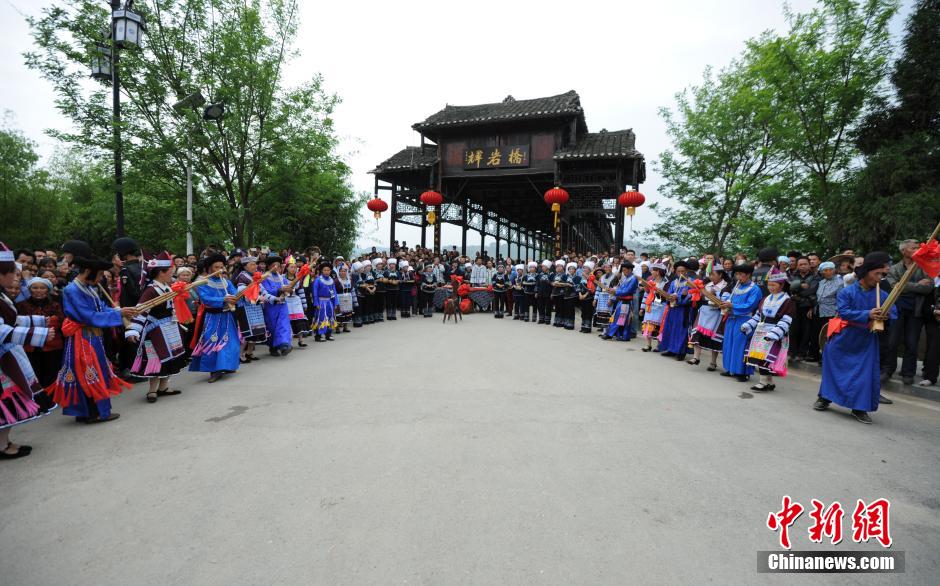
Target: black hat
{"type": "Point", "coordinates": [238, 252]}
{"type": "Point", "coordinates": [682, 263]}
{"type": "Point", "coordinates": [94, 263]}
{"type": "Point", "coordinates": [78, 248]}
{"type": "Point", "coordinates": [125, 245]}
{"type": "Point", "coordinates": [626, 265]}
{"type": "Point", "coordinates": [692, 264]}
{"type": "Point", "coordinates": [768, 254]}
{"type": "Point", "coordinates": [873, 260]}
{"type": "Point", "coordinates": [744, 267]}
{"type": "Point", "coordinates": [273, 258]}
{"type": "Point", "coordinates": [322, 265]}
{"type": "Point", "coordinates": [212, 259]}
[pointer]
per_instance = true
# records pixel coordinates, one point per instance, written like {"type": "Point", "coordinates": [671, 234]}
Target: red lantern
{"type": "Point", "coordinates": [555, 197]}
{"type": "Point", "coordinates": [466, 306]}
{"type": "Point", "coordinates": [377, 206]}
{"type": "Point", "coordinates": [432, 198]}
{"type": "Point", "coordinates": [631, 200]}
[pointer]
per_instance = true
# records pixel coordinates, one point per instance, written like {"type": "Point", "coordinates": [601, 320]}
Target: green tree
{"type": "Point", "coordinates": [724, 163]}
{"type": "Point", "coordinates": [824, 73]}
{"type": "Point", "coordinates": [31, 212]}
{"type": "Point", "coordinates": [232, 51]}
{"type": "Point", "coordinates": [896, 195]}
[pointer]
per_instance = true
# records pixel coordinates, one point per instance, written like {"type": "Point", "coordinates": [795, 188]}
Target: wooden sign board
{"type": "Point", "coordinates": [496, 157]}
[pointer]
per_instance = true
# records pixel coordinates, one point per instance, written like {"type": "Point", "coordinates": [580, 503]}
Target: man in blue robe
{"type": "Point", "coordinates": [851, 368]}
{"type": "Point", "coordinates": [741, 303]}
{"type": "Point", "coordinates": [86, 379]}
{"type": "Point", "coordinates": [621, 321]}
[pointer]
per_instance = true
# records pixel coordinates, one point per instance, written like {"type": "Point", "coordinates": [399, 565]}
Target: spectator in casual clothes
{"type": "Point", "coordinates": [803, 284]}
{"type": "Point", "coordinates": [932, 330]}
{"type": "Point", "coordinates": [829, 286]}
{"type": "Point", "coordinates": [47, 359]}
{"type": "Point", "coordinates": [910, 305]}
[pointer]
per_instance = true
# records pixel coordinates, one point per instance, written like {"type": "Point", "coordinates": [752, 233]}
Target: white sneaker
{"type": "Point", "coordinates": [925, 383]}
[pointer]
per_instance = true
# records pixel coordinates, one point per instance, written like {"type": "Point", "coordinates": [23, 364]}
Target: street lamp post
{"type": "Point", "coordinates": [125, 32]}
{"type": "Point", "coordinates": [211, 112]}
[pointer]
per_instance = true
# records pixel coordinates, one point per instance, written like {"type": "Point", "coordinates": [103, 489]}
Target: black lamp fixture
{"type": "Point", "coordinates": [213, 111]}
{"type": "Point", "coordinates": [128, 26]}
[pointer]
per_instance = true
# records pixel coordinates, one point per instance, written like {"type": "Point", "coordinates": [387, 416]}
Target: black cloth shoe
{"type": "Point", "coordinates": [669, 354]}
{"type": "Point", "coordinates": [22, 452]}
{"type": "Point", "coordinates": [861, 416]}
{"type": "Point", "coordinates": [884, 400]}
{"type": "Point", "coordinates": [742, 378]}
{"type": "Point", "coordinates": [821, 404]}
{"type": "Point", "coordinates": [726, 373]}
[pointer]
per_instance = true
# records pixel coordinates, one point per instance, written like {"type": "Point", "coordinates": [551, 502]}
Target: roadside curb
{"type": "Point", "coordinates": [893, 385]}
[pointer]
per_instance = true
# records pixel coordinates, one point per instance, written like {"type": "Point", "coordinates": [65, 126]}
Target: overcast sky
{"type": "Point", "coordinates": [395, 63]}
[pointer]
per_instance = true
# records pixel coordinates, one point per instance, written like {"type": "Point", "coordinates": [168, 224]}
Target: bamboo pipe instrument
{"type": "Point", "coordinates": [707, 294]}
{"type": "Point", "coordinates": [659, 292]}
{"type": "Point", "coordinates": [241, 293]}
{"type": "Point", "coordinates": [126, 321]}
{"type": "Point", "coordinates": [160, 299]}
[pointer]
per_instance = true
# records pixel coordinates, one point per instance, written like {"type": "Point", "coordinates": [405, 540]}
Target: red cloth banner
{"type": "Point", "coordinates": [927, 258]}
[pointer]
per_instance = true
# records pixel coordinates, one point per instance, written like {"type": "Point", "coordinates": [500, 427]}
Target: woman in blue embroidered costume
{"type": "Point", "coordinates": [769, 329]}
{"type": "Point", "coordinates": [86, 382]}
{"type": "Point", "coordinates": [739, 304]}
{"type": "Point", "coordinates": [215, 340]}
{"type": "Point", "coordinates": [674, 335]}
{"type": "Point", "coordinates": [324, 295]}
{"type": "Point", "coordinates": [622, 318]}
{"type": "Point", "coordinates": [19, 382]}
{"type": "Point", "coordinates": [276, 315]}
{"type": "Point", "coordinates": [156, 332]}
{"type": "Point", "coordinates": [850, 376]}
{"type": "Point", "coordinates": [709, 327]}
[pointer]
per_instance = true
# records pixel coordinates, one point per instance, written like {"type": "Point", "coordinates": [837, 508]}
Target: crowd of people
{"type": "Point", "coordinates": [79, 329]}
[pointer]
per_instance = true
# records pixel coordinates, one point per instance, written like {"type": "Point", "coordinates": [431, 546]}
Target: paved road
{"type": "Point", "coordinates": [486, 453]}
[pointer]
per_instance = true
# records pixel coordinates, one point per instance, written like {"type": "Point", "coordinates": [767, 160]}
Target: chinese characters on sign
{"type": "Point", "coordinates": [868, 521]}
{"type": "Point", "coordinates": [496, 157]}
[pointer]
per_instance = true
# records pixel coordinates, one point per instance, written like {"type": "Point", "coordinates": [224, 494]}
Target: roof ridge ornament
{"type": "Point", "coordinates": [509, 99]}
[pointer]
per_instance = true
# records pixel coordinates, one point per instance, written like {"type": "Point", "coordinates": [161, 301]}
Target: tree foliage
{"type": "Point", "coordinates": [763, 153]}
{"type": "Point", "coordinates": [29, 205]}
{"type": "Point", "coordinates": [824, 73]}
{"type": "Point", "coordinates": [231, 51]}
{"type": "Point", "coordinates": [724, 160]}
{"type": "Point", "coordinates": [896, 194]}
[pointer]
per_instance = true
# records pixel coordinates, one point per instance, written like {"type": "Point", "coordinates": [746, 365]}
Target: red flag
{"type": "Point", "coordinates": [179, 302]}
{"type": "Point", "coordinates": [927, 258]}
{"type": "Point", "coordinates": [303, 272]}
{"type": "Point", "coordinates": [253, 290]}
